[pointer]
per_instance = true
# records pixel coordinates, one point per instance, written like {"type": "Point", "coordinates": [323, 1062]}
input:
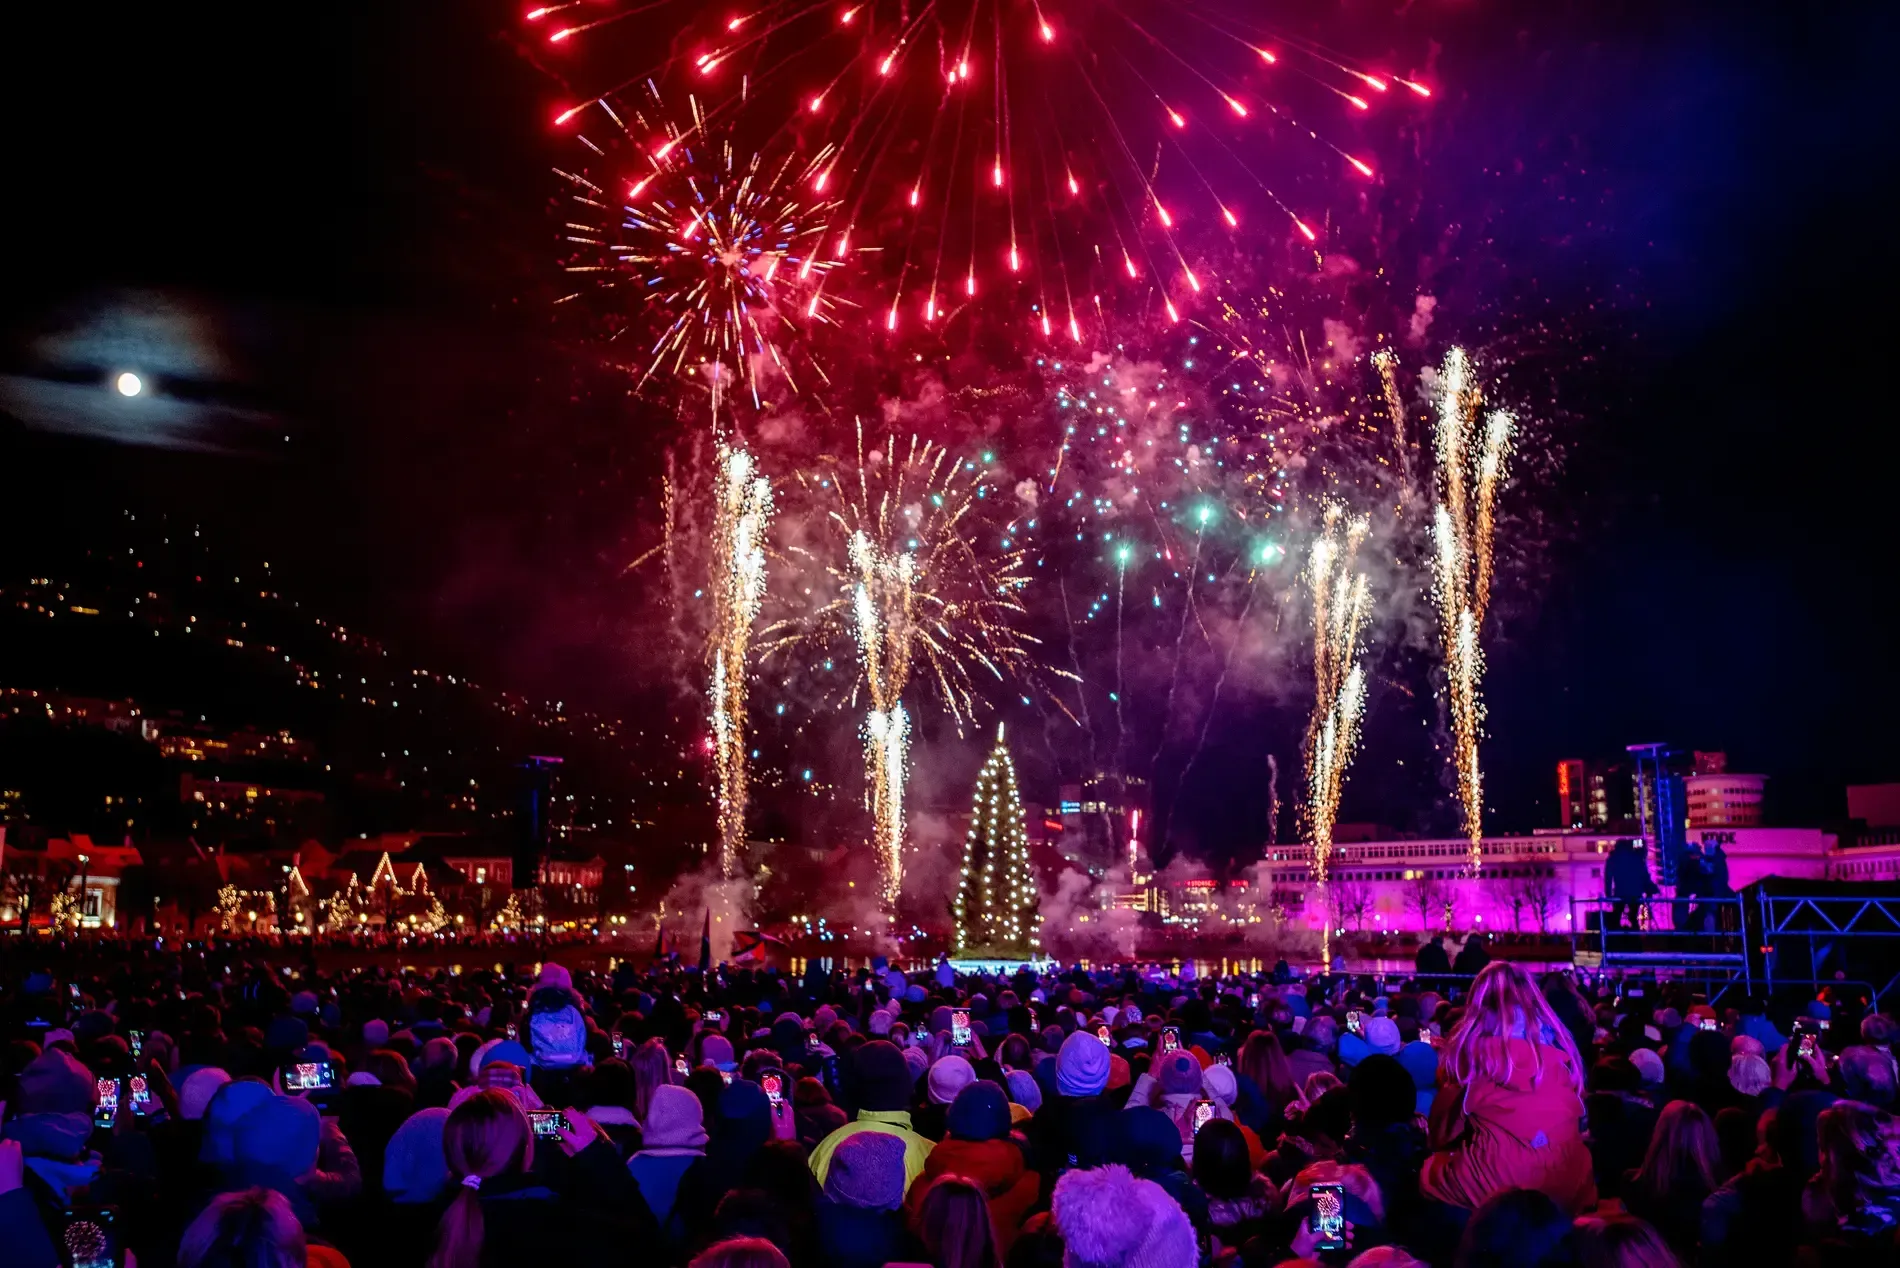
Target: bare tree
{"type": "Point", "coordinates": [1430, 898]}
{"type": "Point", "coordinates": [1352, 903]}
{"type": "Point", "coordinates": [1543, 895]}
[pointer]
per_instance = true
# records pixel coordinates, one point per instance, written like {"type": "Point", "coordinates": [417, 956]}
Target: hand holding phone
{"type": "Point", "coordinates": [1102, 1033]}
{"type": "Point", "coordinates": [774, 1085]}
{"type": "Point", "coordinates": [960, 1028]}
{"type": "Point", "coordinates": [106, 1107]}
{"type": "Point", "coordinates": [1355, 1021]}
{"type": "Point", "coordinates": [1328, 1224]}
{"type": "Point", "coordinates": [1203, 1114]}
{"type": "Point", "coordinates": [1170, 1038]}
{"type": "Point", "coordinates": [548, 1124]}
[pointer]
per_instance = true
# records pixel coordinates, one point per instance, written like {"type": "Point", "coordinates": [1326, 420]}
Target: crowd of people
{"type": "Point", "coordinates": [219, 1110]}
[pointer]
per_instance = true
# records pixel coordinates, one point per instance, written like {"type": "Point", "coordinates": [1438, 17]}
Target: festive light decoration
{"type": "Point", "coordinates": [742, 509]}
{"type": "Point", "coordinates": [997, 903]}
{"type": "Point", "coordinates": [1342, 602]}
{"type": "Point", "coordinates": [1470, 468]}
{"type": "Point", "coordinates": [508, 919]}
{"type": "Point", "coordinates": [344, 909]}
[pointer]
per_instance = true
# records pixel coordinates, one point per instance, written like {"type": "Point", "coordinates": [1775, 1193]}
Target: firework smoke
{"type": "Point", "coordinates": [1470, 468]}
{"type": "Point", "coordinates": [743, 508]}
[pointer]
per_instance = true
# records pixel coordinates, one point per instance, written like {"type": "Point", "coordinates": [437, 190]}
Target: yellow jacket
{"type": "Point", "coordinates": [891, 1122]}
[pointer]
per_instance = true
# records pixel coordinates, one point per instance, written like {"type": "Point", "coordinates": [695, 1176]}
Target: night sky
{"type": "Point", "coordinates": [349, 204]}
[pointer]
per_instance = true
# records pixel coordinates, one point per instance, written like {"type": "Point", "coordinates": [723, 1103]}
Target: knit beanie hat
{"type": "Point", "coordinates": [1109, 1219]}
{"type": "Point", "coordinates": [950, 1075]}
{"type": "Point", "coordinates": [375, 1033]}
{"type": "Point", "coordinates": [980, 1112]}
{"type": "Point", "coordinates": [507, 1050]}
{"type": "Point", "coordinates": [1178, 1072]}
{"type": "Point", "coordinates": [1024, 1090]}
{"type": "Point", "coordinates": [198, 1089]}
{"type": "Point", "coordinates": [227, 1105]}
{"type": "Point", "coordinates": [879, 1023]}
{"type": "Point", "coordinates": [1649, 1064]}
{"type": "Point", "coordinates": [916, 1060]}
{"type": "Point", "coordinates": [716, 1050]}
{"type": "Point", "coordinates": [1382, 1035]}
{"type": "Point", "coordinates": [1119, 1075]}
{"type": "Point", "coordinates": [822, 1019]}
{"type": "Point", "coordinates": [867, 1171]}
{"type": "Point", "coordinates": [55, 1083]}
{"type": "Point", "coordinates": [675, 1120]}
{"type": "Point", "coordinates": [1082, 1066]}
{"type": "Point", "coordinates": [304, 1004]}
{"type": "Point", "coordinates": [414, 1168]}
{"type": "Point", "coordinates": [281, 1136]}
{"type": "Point", "coordinates": [1221, 1084]}
{"type": "Point", "coordinates": [884, 1080]}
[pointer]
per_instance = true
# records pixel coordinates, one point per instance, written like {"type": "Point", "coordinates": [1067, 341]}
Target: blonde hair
{"type": "Point", "coordinates": [652, 1068]}
{"type": "Point", "coordinates": [1505, 1005]}
{"type": "Point", "coordinates": [255, 1228]}
{"type": "Point", "coordinates": [485, 1136]}
{"type": "Point", "coordinates": [1622, 1241]}
{"type": "Point", "coordinates": [741, 1252]}
{"type": "Point", "coordinates": [1682, 1156]}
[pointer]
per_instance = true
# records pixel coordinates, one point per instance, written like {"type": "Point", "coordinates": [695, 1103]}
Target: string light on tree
{"type": "Point", "coordinates": [997, 903]}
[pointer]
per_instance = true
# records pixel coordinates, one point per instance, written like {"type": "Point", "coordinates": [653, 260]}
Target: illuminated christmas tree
{"type": "Point", "coordinates": [997, 905]}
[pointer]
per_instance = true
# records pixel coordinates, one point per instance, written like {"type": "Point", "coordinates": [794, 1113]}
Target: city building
{"type": "Point", "coordinates": [1102, 820]}
{"type": "Point", "coordinates": [1875, 805]}
{"type": "Point", "coordinates": [1573, 800]}
{"type": "Point", "coordinates": [1527, 883]}
{"type": "Point", "coordinates": [73, 879]}
{"type": "Point", "coordinates": [1720, 799]}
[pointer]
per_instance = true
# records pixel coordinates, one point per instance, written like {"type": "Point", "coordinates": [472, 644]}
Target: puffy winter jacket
{"type": "Point", "coordinates": [1523, 1133]}
{"type": "Point", "coordinates": [998, 1166]}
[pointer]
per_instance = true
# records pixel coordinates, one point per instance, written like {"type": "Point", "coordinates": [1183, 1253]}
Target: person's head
{"type": "Point", "coordinates": [741, 1252]}
{"type": "Point", "coordinates": [485, 1136]}
{"type": "Point", "coordinates": [954, 1222]}
{"type": "Point", "coordinates": [1749, 1074]}
{"type": "Point", "coordinates": [1868, 1075]}
{"type": "Point", "coordinates": [1110, 1219]}
{"type": "Point", "coordinates": [1222, 1166]}
{"type": "Point", "coordinates": [652, 1068]}
{"type": "Point", "coordinates": [1860, 1153]}
{"type": "Point", "coordinates": [1518, 1228]}
{"type": "Point", "coordinates": [252, 1229]}
{"type": "Point", "coordinates": [980, 1112]}
{"type": "Point", "coordinates": [1621, 1241]}
{"type": "Point", "coordinates": [867, 1172]}
{"type": "Point", "coordinates": [1505, 1004]}
{"type": "Point", "coordinates": [1386, 1257]}
{"type": "Point", "coordinates": [1263, 1060]}
{"type": "Point", "coordinates": [1382, 1093]}
{"type": "Point", "coordinates": [883, 1077]}
{"type": "Point", "coordinates": [1683, 1155]}
{"type": "Point", "coordinates": [390, 1069]}
{"type": "Point", "coordinates": [414, 1169]}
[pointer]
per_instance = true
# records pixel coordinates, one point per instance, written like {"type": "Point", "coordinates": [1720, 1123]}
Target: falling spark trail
{"type": "Point", "coordinates": [1342, 602]}
{"type": "Point", "coordinates": [1470, 469]}
{"type": "Point", "coordinates": [743, 508]}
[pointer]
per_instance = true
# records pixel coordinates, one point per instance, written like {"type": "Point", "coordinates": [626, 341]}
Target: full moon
{"type": "Point", "coordinates": [129, 384]}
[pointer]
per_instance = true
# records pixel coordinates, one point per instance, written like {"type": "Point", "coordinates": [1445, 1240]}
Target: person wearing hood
{"type": "Point", "coordinates": [882, 1093]}
{"type": "Point", "coordinates": [1509, 1101]}
{"type": "Point", "coordinates": [860, 1212]}
{"type": "Point", "coordinates": [1108, 1218]}
{"type": "Point", "coordinates": [977, 1146]}
{"type": "Point", "coordinates": [1075, 1124]}
{"type": "Point", "coordinates": [673, 1140]}
{"type": "Point", "coordinates": [557, 1023]}
{"type": "Point", "coordinates": [46, 1158]}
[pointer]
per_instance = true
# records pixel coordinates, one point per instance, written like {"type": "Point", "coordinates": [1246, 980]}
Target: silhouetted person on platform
{"type": "Point", "coordinates": [1433, 964]}
{"type": "Point", "coordinates": [1472, 957]}
{"type": "Point", "coordinates": [1626, 881]}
